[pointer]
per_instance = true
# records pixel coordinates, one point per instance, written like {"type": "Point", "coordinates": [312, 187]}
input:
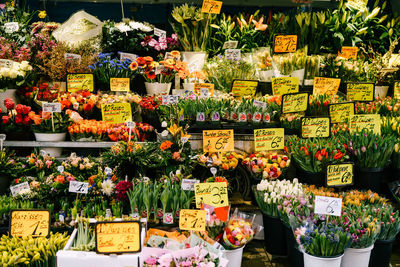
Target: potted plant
{"type": "Point", "coordinates": [16, 123]}
{"type": "Point", "coordinates": [9, 169]}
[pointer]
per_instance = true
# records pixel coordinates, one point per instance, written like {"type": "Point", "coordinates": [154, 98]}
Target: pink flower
{"type": "Point", "coordinates": [165, 260]}
{"type": "Point", "coordinates": [151, 261]}
{"type": "Point", "coordinates": [70, 178]}
{"type": "Point", "coordinates": [186, 264]}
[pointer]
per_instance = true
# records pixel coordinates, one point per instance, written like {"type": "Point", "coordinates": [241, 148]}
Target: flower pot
{"type": "Point", "coordinates": [266, 75]}
{"type": "Point", "coordinates": [299, 74]}
{"type": "Point", "coordinates": [381, 91]}
{"type": "Point", "coordinates": [274, 236]}
{"type": "Point", "coordinates": [9, 93]}
{"type": "Point", "coordinates": [195, 60]}
{"type": "Point", "coordinates": [380, 254]}
{"type": "Point", "coordinates": [369, 178]}
{"type": "Point", "coordinates": [158, 88]}
{"type": "Point", "coordinates": [234, 257]}
{"type": "Point", "coordinates": [313, 261]}
{"type": "Point", "coordinates": [356, 257]}
{"type": "Point", "coordinates": [5, 182]}
{"type": "Point", "coordinates": [295, 257]}
{"type": "Point", "coordinates": [51, 137]}
{"type": "Point", "coordinates": [306, 177]}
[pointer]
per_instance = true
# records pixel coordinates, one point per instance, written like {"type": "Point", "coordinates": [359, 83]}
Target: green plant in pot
{"type": "Point", "coordinates": [9, 169]}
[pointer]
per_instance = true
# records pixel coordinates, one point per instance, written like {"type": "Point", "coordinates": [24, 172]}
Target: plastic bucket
{"type": "Point", "coordinates": [313, 261]}
{"type": "Point", "coordinates": [234, 257]}
{"type": "Point", "coordinates": [51, 137]}
{"type": "Point", "coordinates": [157, 88]}
{"type": "Point", "coordinates": [274, 236]}
{"type": "Point", "coordinates": [380, 254]}
{"type": "Point", "coordinates": [356, 257]}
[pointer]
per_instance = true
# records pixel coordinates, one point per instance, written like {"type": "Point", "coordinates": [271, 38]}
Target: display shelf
{"type": "Point", "coordinates": [58, 144]}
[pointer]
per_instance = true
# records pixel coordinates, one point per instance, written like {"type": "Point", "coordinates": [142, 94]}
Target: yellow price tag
{"type": "Point", "coordinates": [339, 174]}
{"type": "Point", "coordinates": [285, 43]}
{"type": "Point", "coordinates": [328, 86]}
{"type": "Point", "coordinates": [213, 194]}
{"type": "Point", "coordinates": [360, 91]}
{"type": "Point", "coordinates": [315, 127]}
{"type": "Point", "coordinates": [210, 6]}
{"type": "Point", "coordinates": [218, 141]}
{"type": "Point", "coordinates": [294, 102]}
{"type": "Point", "coordinates": [33, 223]}
{"type": "Point", "coordinates": [269, 139]}
{"type": "Point", "coordinates": [341, 112]}
{"type": "Point", "coordinates": [396, 89]}
{"type": "Point", "coordinates": [120, 84]}
{"type": "Point", "coordinates": [116, 112]}
{"type": "Point", "coordinates": [348, 52]}
{"type": "Point", "coordinates": [244, 87]}
{"type": "Point", "coordinates": [371, 122]}
{"type": "Point", "coordinates": [285, 85]}
{"type": "Point", "coordinates": [199, 86]}
{"type": "Point", "coordinates": [117, 237]}
{"type": "Point", "coordinates": [192, 220]}
{"type": "Point", "coordinates": [80, 82]}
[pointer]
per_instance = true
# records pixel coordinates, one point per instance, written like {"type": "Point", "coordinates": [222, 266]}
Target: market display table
{"type": "Point", "coordinates": [68, 258]}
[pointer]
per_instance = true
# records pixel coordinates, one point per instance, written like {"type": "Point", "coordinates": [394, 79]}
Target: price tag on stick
{"type": "Point", "coordinates": [328, 205]}
{"type": "Point", "coordinates": [315, 127]}
{"type": "Point", "coordinates": [130, 125]}
{"type": "Point", "coordinates": [192, 220]}
{"type": "Point", "coordinates": [360, 91]}
{"type": "Point", "coordinates": [212, 7]}
{"type": "Point", "coordinates": [52, 107]}
{"type": "Point", "coordinates": [213, 194]}
{"type": "Point", "coordinates": [78, 187]}
{"type": "Point", "coordinates": [285, 43]}
{"type": "Point", "coordinates": [218, 141]}
{"type": "Point", "coordinates": [15, 189]}
{"type": "Point", "coordinates": [33, 223]}
{"type": "Point", "coordinates": [160, 33]}
{"type": "Point", "coordinates": [294, 102]}
{"type": "Point", "coordinates": [341, 112]}
{"type": "Point", "coordinates": [269, 139]}
{"type": "Point", "coordinates": [285, 85]}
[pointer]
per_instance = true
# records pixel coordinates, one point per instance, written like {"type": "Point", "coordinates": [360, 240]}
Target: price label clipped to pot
{"type": "Point", "coordinates": [212, 7]}
{"type": "Point", "coordinates": [338, 175]}
{"type": "Point", "coordinates": [71, 58]}
{"type": "Point", "coordinates": [213, 194]}
{"type": "Point", "coordinates": [285, 43]}
{"type": "Point", "coordinates": [51, 107]}
{"type": "Point", "coordinates": [160, 33]}
{"type": "Point", "coordinates": [294, 102]}
{"type": "Point", "coordinates": [127, 56]}
{"type": "Point", "coordinates": [371, 122]}
{"type": "Point", "coordinates": [218, 141]}
{"type": "Point", "coordinates": [315, 127]}
{"type": "Point", "coordinates": [198, 87]}
{"type": "Point", "coordinates": [192, 220]}
{"type": "Point", "coordinates": [11, 27]}
{"type": "Point", "coordinates": [116, 112]}
{"type": "Point", "coordinates": [6, 63]}
{"type": "Point", "coordinates": [269, 139]}
{"type": "Point", "coordinates": [78, 187]}
{"type": "Point", "coordinates": [188, 184]}
{"type": "Point", "coordinates": [348, 52]}
{"type": "Point", "coordinates": [360, 91]}
{"type": "Point", "coordinates": [33, 223]}
{"type": "Point", "coordinates": [285, 85]}
{"type": "Point", "coordinates": [232, 54]}
{"type": "Point", "coordinates": [244, 88]}
{"type": "Point", "coordinates": [80, 82]}
{"type": "Point", "coordinates": [328, 86]}
{"type": "Point", "coordinates": [328, 205]}
{"type": "Point", "coordinates": [341, 112]}
{"type": "Point", "coordinates": [120, 84]}
{"type": "Point", "coordinates": [169, 99]}
{"type": "Point", "coordinates": [15, 189]}
{"type": "Point", "coordinates": [396, 90]}
{"type": "Point", "coordinates": [117, 237]}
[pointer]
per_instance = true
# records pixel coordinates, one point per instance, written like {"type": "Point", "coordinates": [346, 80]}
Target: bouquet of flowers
{"type": "Point", "coordinates": [44, 123]}
{"type": "Point", "coordinates": [18, 75]}
{"type": "Point", "coordinates": [295, 208]}
{"type": "Point", "coordinates": [82, 102]}
{"type": "Point", "coordinates": [17, 119]}
{"type": "Point", "coordinates": [120, 132]}
{"type": "Point", "coordinates": [225, 160]}
{"type": "Point", "coordinates": [389, 222]}
{"type": "Point", "coordinates": [81, 168]}
{"type": "Point", "coordinates": [161, 44]}
{"type": "Point", "coordinates": [266, 165]}
{"type": "Point", "coordinates": [89, 130]}
{"type": "Point", "coordinates": [362, 198]}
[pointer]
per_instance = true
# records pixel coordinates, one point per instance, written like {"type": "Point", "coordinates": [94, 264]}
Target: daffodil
{"type": "Point", "coordinates": [42, 14]}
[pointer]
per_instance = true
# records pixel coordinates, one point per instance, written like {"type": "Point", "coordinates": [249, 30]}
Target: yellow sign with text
{"type": "Point", "coordinates": [328, 86]}
{"type": "Point", "coordinates": [80, 82]}
{"type": "Point", "coordinates": [294, 102]}
{"type": "Point", "coordinates": [117, 237]}
{"type": "Point", "coordinates": [116, 112]}
{"type": "Point", "coordinates": [213, 194]}
{"type": "Point", "coordinates": [33, 223]}
{"type": "Point", "coordinates": [339, 174]}
{"type": "Point", "coordinates": [269, 139]}
{"type": "Point", "coordinates": [218, 141]}
{"type": "Point", "coordinates": [315, 127]}
{"type": "Point", "coordinates": [341, 112]}
{"type": "Point", "coordinates": [285, 43]}
{"type": "Point", "coordinates": [120, 84]}
{"type": "Point", "coordinates": [371, 122]}
{"type": "Point", "coordinates": [348, 52]}
{"type": "Point", "coordinates": [360, 91]}
{"type": "Point", "coordinates": [192, 220]}
{"type": "Point", "coordinates": [396, 90]}
{"type": "Point", "coordinates": [210, 6]}
{"type": "Point", "coordinates": [244, 88]}
{"type": "Point", "coordinates": [199, 86]}
{"type": "Point", "coordinates": [285, 85]}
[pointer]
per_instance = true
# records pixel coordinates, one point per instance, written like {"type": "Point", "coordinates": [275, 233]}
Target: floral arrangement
{"type": "Point", "coordinates": [266, 165]}
{"type": "Point", "coordinates": [17, 118]}
{"type": "Point", "coordinates": [15, 76]}
{"type": "Point", "coordinates": [120, 132]}
{"type": "Point", "coordinates": [81, 168]}
{"type": "Point", "coordinates": [389, 222]}
{"type": "Point", "coordinates": [288, 63]}
{"type": "Point", "coordinates": [162, 43]}
{"type": "Point", "coordinates": [225, 160]}
{"type": "Point", "coordinates": [44, 122]}
{"type": "Point", "coordinates": [358, 198]}
{"type": "Point", "coordinates": [89, 130]}
{"type": "Point", "coordinates": [82, 102]}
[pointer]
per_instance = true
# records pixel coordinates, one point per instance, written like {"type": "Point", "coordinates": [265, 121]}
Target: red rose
{"type": "Point", "coordinates": [5, 119]}
{"type": "Point", "coordinates": [19, 109]}
{"type": "Point", "coordinates": [26, 109]}
{"type": "Point", "coordinates": [9, 103]}
{"type": "Point", "coordinates": [26, 120]}
{"type": "Point", "coordinates": [18, 118]}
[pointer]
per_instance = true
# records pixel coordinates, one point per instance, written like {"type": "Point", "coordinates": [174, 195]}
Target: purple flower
{"type": "Point", "coordinates": [363, 149]}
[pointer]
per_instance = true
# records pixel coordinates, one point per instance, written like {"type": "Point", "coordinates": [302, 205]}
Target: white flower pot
{"type": "Point", "coordinates": [158, 88]}
{"type": "Point", "coordinates": [195, 60]}
{"type": "Point", "coordinates": [356, 257]}
{"type": "Point", "coordinates": [381, 91]}
{"type": "Point", "coordinates": [234, 257]}
{"type": "Point", "coordinates": [51, 137]}
{"type": "Point", "coordinates": [299, 74]}
{"type": "Point", "coordinates": [9, 93]}
{"type": "Point", "coordinates": [266, 75]}
{"type": "Point", "coordinates": [313, 261]}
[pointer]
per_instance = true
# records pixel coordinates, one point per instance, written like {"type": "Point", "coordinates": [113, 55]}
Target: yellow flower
{"type": "Point", "coordinates": [185, 135]}
{"type": "Point", "coordinates": [42, 14]}
{"type": "Point", "coordinates": [174, 129]}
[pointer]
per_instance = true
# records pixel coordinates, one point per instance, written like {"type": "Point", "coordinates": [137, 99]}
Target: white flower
{"type": "Point", "coordinates": [295, 180]}
{"type": "Point", "coordinates": [164, 133]}
{"type": "Point", "coordinates": [164, 124]}
{"type": "Point", "coordinates": [13, 73]}
{"type": "Point", "coordinates": [24, 191]}
{"type": "Point", "coordinates": [107, 187]}
{"type": "Point", "coordinates": [146, 179]}
{"type": "Point", "coordinates": [122, 27]}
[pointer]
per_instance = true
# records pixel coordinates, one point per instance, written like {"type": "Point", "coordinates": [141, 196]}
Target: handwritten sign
{"type": "Point", "coordinates": [294, 102]}
{"type": "Point", "coordinates": [78, 187]}
{"type": "Point", "coordinates": [269, 139]}
{"type": "Point", "coordinates": [328, 205]}
{"type": "Point", "coordinates": [285, 85]}
{"type": "Point", "coordinates": [6, 63]}
{"type": "Point", "coordinates": [218, 141]}
{"type": "Point", "coordinates": [169, 99]}
{"type": "Point", "coordinates": [192, 220]}
{"type": "Point", "coordinates": [230, 45]}
{"type": "Point", "coordinates": [328, 86]}
{"type": "Point", "coordinates": [232, 54]}
{"type": "Point", "coordinates": [371, 122]}
{"type": "Point", "coordinates": [360, 91]}
{"type": "Point", "coordinates": [244, 87]}
{"type": "Point", "coordinates": [15, 189]}
{"type": "Point", "coordinates": [188, 184]}
{"type": "Point", "coordinates": [259, 104]}
{"type": "Point", "coordinates": [160, 33]}
{"type": "Point", "coordinates": [210, 6]}
{"type": "Point", "coordinates": [348, 52]}
{"type": "Point", "coordinates": [127, 56]}
{"type": "Point", "coordinates": [11, 27]}
{"type": "Point", "coordinates": [341, 112]}
{"type": "Point", "coordinates": [80, 82]}
{"type": "Point", "coordinates": [117, 237]}
{"type": "Point", "coordinates": [285, 43]}
{"type": "Point", "coordinates": [315, 127]}
{"type": "Point", "coordinates": [33, 223]}
{"type": "Point", "coordinates": [199, 86]}
{"type": "Point", "coordinates": [213, 194]}
{"type": "Point", "coordinates": [72, 58]}
{"type": "Point", "coordinates": [339, 174]}
{"type": "Point", "coordinates": [51, 107]}
{"type": "Point", "coordinates": [396, 89]}
{"type": "Point", "coordinates": [120, 84]}
{"type": "Point", "coordinates": [116, 112]}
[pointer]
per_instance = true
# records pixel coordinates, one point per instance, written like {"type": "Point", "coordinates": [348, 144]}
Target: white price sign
{"type": "Point", "coordinates": [328, 205]}
{"type": "Point", "coordinates": [160, 33]}
{"type": "Point", "coordinates": [230, 45]}
{"type": "Point", "coordinates": [18, 188]}
{"type": "Point", "coordinates": [52, 107]}
{"type": "Point", "coordinates": [204, 93]}
{"type": "Point", "coordinates": [170, 99]}
{"type": "Point", "coordinates": [188, 184]}
{"type": "Point", "coordinates": [78, 187]}
{"type": "Point", "coordinates": [69, 57]}
{"type": "Point", "coordinates": [130, 124]}
{"type": "Point", "coordinates": [233, 54]}
{"type": "Point", "coordinates": [6, 63]}
{"type": "Point", "coordinates": [125, 56]}
{"type": "Point", "coordinates": [11, 27]}
{"type": "Point", "coordinates": [260, 104]}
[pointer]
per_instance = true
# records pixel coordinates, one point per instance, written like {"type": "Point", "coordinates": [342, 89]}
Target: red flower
{"type": "Point", "coordinates": [9, 103]}
{"type": "Point", "coordinates": [121, 188]}
{"type": "Point", "coordinates": [26, 109]}
{"type": "Point", "coordinates": [5, 119]}
{"type": "Point", "coordinates": [141, 61]}
{"type": "Point", "coordinates": [151, 76]}
{"type": "Point", "coordinates": [19, 109]}
{"type": "Point", "coordinates": [0, 110]}
{"type": "Point", "coordinates": [26, 120]}
{"type": "Point", "coordinates": [18, 118]}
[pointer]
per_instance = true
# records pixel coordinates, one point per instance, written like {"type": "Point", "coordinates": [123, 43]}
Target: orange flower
{"type": "Point", "coordinates": [175, 54]}
{"type": "Point", "coordinates": [134, 65]}
{"type": "Point", "coordinates": [91, 179]}
{"type": "Point", "coordinates": [259, 25]}
{"type": "Point", "coordinates": [141, 61]}
{"type": "Point", "coordinates": [148, 59]}
{"type": "Point", "coordinates": [46, 115]}
{"type": "Point", "coordinates": [59, 179]}
{"type": "Point", "coordinates": [151, 76]}
{"type": "Point", "coordinates": [165, 145]}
